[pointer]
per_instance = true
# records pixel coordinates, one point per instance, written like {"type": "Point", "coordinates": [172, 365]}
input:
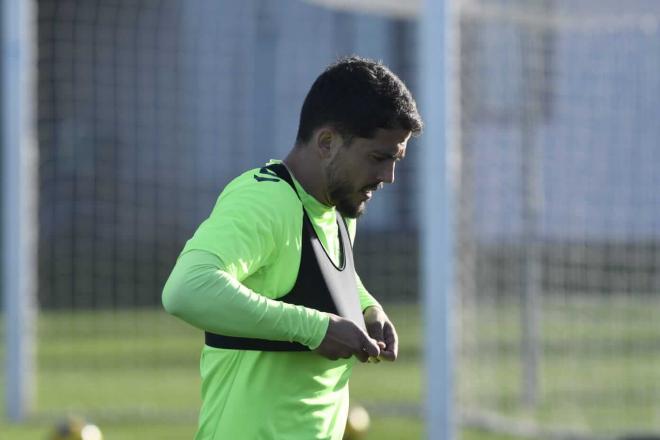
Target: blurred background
{"type": "Point", "coordinates": [145, 109]}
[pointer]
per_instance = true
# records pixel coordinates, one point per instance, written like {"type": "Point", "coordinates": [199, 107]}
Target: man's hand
{"type": "Point", "coordinates": [344, 339]}
{"type": "Point", "coordinates": [382, 330]}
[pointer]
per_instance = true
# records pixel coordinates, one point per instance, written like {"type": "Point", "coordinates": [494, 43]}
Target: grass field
{"type": "Point", "coordinates": [134, 373]}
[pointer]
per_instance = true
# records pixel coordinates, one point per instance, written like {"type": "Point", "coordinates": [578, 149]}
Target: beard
{"type": "Point", "coordinates": [342, 194]}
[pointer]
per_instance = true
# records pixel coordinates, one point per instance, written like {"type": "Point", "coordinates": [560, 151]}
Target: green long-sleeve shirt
{"type": "Point", "coordinates": [226, 281]}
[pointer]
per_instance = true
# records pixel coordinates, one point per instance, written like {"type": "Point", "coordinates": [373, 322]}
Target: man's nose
{"type": "Point", "coordinates": [387, 173]}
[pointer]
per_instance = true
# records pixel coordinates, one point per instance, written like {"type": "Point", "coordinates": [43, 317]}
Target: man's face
{"type": "Point", "coordinates": [357, 170]}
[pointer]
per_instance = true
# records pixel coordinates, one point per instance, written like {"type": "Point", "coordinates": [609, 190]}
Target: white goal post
{"type": "Point", "coordinates": [435, 212]}
{"type": "Point", "coordinates": [19, 203]}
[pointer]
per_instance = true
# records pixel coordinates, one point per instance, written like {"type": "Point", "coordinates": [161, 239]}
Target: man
{"type": "Point", "coordinates": [269, 276]}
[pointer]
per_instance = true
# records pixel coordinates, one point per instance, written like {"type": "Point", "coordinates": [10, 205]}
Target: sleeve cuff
{"type": "Point", "coordinates": [319, 330]}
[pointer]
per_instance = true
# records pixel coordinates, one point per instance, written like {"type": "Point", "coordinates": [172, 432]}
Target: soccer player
{"type": "Point", "coordinates": [269, 276]}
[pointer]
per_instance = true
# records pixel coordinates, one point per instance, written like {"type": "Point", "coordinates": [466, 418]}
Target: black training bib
{"type": "Point", "coordinates": [320, 284]}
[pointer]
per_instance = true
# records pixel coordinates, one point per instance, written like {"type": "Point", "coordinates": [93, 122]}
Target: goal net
{"type": "Point", "coordinates": [145, 110]}
{"type": "Point", "coordinates": [557, 224]}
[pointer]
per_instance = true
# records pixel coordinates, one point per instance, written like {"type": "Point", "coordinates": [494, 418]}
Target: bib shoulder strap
{"type": "Point", "coordinates": [283, 173]}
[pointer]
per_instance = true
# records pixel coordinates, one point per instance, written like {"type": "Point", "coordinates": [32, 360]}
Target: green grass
{"type": "Point", "coordinates": [600, 369]}
{"type": "Point", "coordinates": [135, 373]}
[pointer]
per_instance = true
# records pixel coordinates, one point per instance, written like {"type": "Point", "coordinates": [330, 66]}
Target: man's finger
{"type": "Point", "coordinates": [362, 355]}
{"type": "Point", "coordinates": [370, 347]}
{"type": "Point", "coordinates": [386, 355]}
{"type": "Point", "coordinates": [375, 360]}
{"type": "Point", "coordinates": [375, 330]}
{"type": "Point", "coordinates": [391, 350]}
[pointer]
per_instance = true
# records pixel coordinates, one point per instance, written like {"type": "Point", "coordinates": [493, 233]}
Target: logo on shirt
{"type": "Point", "coordinates": [272, 177]}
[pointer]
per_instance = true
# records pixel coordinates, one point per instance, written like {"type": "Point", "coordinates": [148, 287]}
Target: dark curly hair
{"type": "Point", "coordinates": [357, 96]}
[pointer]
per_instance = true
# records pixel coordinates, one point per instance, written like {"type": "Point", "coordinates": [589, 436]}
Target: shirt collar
{"type": "Point", "coordinates": [315, 209]}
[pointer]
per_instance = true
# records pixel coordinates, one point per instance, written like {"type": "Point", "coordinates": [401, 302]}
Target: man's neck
{"type": "Point", "coordinates": [308, 172]}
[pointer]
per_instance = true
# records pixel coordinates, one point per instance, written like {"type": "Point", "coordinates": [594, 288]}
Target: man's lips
{"type": "Point", "coordinates": [368, 191]}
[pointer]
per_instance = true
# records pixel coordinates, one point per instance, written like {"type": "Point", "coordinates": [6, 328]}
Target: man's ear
{"type": "Point", "coordinates": [326, 141]}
